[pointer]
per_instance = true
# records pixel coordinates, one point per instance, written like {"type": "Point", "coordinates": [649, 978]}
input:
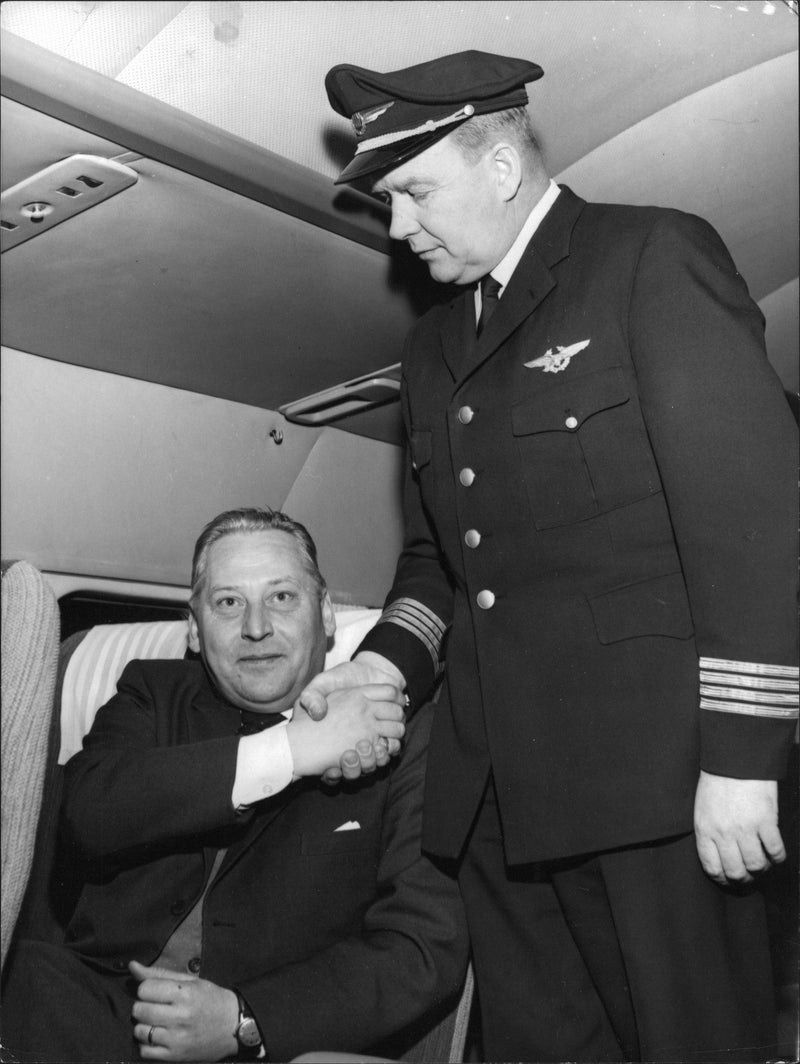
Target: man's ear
{"type": "Point", "coordinates": [328, 615]}
{"type": "Point", "coordinates": [507, 164]}
{"type": "Point", "coordinates": [194, 635]}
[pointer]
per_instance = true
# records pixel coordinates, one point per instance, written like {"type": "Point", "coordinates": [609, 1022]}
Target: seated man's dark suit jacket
{"type": "Point", "coordinates": [337, 939]}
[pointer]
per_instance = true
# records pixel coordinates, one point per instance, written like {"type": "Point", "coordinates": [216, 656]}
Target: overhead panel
{"type": "Point", "coordinates": [206, 290]}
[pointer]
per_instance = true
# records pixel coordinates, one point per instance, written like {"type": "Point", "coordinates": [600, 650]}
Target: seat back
{"type": "Point", "coordinates": [30, 629]}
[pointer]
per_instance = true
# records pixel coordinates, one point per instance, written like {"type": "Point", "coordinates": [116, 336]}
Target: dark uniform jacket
{"type": "Point", "coordinates": [337, 939]}
{"type": "Point", "coordinates": [600, 498]}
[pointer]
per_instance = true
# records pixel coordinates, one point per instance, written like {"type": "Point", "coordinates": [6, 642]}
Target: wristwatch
{"type": "Point", "coordinates": [247, 1033]}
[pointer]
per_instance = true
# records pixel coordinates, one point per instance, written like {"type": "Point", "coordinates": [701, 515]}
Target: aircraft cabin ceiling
{"type": "Point", "coordinates": [290, 285]}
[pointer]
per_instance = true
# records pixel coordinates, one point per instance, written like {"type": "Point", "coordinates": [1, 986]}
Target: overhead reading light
{"type": "Point", "coordinates": [59, 192]}
{"type": "Point", "coordinates": [361, 393]}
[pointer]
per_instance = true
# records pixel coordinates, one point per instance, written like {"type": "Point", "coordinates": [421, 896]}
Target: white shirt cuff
{"type": "Point", "coordinates": [264, 766]}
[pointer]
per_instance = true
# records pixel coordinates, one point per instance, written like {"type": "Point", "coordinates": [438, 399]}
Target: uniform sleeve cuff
{"type": "Point", "coordinates": [406, 651]}
{"type": "Point", "coordinates": [749, 689]}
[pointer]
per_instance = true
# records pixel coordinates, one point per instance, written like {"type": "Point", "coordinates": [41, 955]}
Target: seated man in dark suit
{"type": "Point", "coordinates": [234, 907]}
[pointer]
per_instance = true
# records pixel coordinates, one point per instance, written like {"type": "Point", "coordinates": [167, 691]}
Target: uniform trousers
{"type": "Point", "coordinates": [632, 954]}
{"type": "Point", "coordinates": [58, 1009]}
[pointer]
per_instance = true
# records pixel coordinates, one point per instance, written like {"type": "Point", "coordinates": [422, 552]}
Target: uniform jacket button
{"type": "Point", "coordinates": [571, 422]}
{"type": "Point", "coordinates": [486, 599]}
{"type": "Point", "coordinates": [467, 477]}
{"type": "Point", "coordinates": [194, 965]}
{"type": "Point", "coordinates": [472, 538]}
{"type": "Point", "coordinates": [465, 414]}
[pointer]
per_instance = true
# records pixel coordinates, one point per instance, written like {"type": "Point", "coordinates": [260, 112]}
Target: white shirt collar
{"type": "Point", "coordinates": [504, 269]}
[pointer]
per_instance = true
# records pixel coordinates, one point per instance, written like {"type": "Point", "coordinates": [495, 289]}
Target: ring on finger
{"type": "Point", "coordinates": [150, 1036]}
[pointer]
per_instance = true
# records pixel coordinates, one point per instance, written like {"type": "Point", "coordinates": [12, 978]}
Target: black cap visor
{"type": "Point", "coordinates": [382, 160]}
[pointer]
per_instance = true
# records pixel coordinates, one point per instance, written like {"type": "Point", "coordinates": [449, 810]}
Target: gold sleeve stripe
{"type": "Point", "coordinates": [749, 687]}
{"type": "Point", "coordinates": [730, 707]}
{"type": "Point", "coordinates": [420, 621]}
{"type": "Point", "coordinates": [764, 697]}
{"type": "Point", "coordinates": [754, 683]}
{"type": "Point", "coordinates": [755, 668]}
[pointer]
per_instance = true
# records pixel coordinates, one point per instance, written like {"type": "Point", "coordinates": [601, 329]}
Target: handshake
{"type": "Point", "coordinates": [349, 720]}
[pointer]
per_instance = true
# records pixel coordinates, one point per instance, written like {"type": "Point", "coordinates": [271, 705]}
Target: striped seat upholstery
{"type": "Point", "coordinates": [30, 632]}
{"type": "Point", "coordinates": [96, 664]}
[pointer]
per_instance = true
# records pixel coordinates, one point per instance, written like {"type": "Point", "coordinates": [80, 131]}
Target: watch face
{"type": "Point", "coordinates": [247, 1032]}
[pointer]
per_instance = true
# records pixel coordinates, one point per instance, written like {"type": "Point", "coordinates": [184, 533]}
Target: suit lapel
{"type": "Point", "coordinates": [530, 283]}
{"type": "Point", "coordinates": [211, 717]}
{"type": "Point", "coordinates": [458, 335]}
{"type": "Point", "coordinates": [265, 814]}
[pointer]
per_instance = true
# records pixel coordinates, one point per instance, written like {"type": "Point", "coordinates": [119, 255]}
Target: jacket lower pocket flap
{"type": "Point", "coordinates": [566, 406]}
{"type": "Point", "coordinates": [650, 607]}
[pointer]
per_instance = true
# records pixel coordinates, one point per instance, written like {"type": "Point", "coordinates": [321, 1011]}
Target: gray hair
{"type": "Point", "coordinates": [253, 519]}
{"type": "Point", "coordinates": [479, 133]}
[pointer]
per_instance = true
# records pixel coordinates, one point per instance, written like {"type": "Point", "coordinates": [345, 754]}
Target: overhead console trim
{"type": "Point", "coordinates": [46, 82]}
{"type": "Point", "coordinates": [351, 397]}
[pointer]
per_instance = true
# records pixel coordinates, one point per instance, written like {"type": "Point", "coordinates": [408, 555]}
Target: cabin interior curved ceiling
{"type": "Point", "coordinates": [684, 104]}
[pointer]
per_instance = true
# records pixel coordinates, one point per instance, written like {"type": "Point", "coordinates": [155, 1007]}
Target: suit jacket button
{"type": "Point", "coordinates": [467, 477]}
{"type": "Point", "coordinates": [486, 599]}
{"type": "Point", "coordinates": [194, 965]}
{"type": "Point", "coordinates": [571, 422]}
{"type": "Point", "coordinates": [465, 415]}
{"type": "Point", "coordinates": [472, 538]}
{"type": "Point", "coordinates": [177, 907]}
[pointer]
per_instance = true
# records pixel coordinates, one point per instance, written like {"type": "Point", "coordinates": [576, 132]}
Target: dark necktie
{"type": "Point", "coordinates": [490, 289]}
{"type": "Point", "coordinates": [256, 722]}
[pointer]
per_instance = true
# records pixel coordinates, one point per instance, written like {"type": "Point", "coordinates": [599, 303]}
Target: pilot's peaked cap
{"type": "Point", "coordinates": [399, 114]}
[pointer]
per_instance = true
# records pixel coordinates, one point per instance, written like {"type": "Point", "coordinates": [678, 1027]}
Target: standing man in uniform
{"type": "Point", "coordinates": [600, 507]}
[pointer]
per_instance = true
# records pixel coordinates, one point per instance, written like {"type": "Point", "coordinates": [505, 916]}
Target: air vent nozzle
{"type": "Point", "coordinates": [59, 192]}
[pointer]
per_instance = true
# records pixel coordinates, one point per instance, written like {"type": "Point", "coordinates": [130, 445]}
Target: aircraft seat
{"type": "Point", "coordinates": [30, 630]}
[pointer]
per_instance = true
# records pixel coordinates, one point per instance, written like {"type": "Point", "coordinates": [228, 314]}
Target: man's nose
{"type": "Point", "coordinates": [256, 623]}
{"type": "Point", "coordinates": [403, 223]}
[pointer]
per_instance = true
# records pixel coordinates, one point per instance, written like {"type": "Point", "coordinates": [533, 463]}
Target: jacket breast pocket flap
{"type": "Point", "coordinates": [565, 407]}
{"type": "Point", "coordinates": [583, 449]}
{"type": "Point", "coordinates": [320, 844]}
{"type": "Point", "coordinates": [421, 448]}
{"type": "Point", "coordinates": [650, 607]}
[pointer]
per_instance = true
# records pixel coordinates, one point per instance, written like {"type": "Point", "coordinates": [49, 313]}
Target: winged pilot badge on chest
{"type": "Point", "coordinates": [553, 361]}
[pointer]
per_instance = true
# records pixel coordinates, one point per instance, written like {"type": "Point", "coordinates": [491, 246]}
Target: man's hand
{"type": "Point", "coordinates": [366, 668]}
{"type": "Point", "coordinates": [363, 719]}
{"type": "Point", "coordinates": [736, 827]}
{"type": "Point", "coordinates": [180, 1017]}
